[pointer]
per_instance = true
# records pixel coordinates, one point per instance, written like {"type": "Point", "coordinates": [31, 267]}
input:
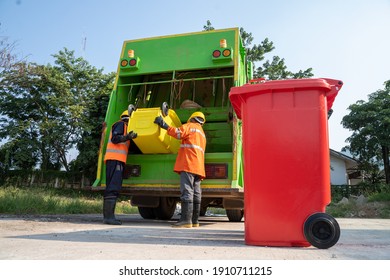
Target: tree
{"type": "Point", "coordinates": [208, 26]}
{"type": "Point", "coordinates": [91, 88]}
{"type": "Point", "coordinates": [27, 111]}
{"type": "Point", "coordinates": [274, 70]}
{"type": "Point", "coordinates": [7, 57]}
{"type": "Point", "coordinates": [88, 145]}
{"type": "Point", "coordinates": [370, 123]}
{"type": "Point", "coordinates": [46, 109]}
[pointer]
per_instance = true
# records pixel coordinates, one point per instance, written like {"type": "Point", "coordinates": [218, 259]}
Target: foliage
{"type": "Point", "coordinates": [90, 140]}
{"type": "Point", "coordinates": [208, 26]}
{"type": "Point", "coordinates": [47, 109]}
{"type": "Point", "coordinates": [375, 202]}
{"type": "Point", "coordinates": [370, 141]}
{"type": "Point", "coordinates": [8, 58]}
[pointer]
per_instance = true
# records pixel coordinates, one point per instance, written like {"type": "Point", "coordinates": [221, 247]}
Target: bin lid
{"type": "Point", "coordinates": [330, 86]}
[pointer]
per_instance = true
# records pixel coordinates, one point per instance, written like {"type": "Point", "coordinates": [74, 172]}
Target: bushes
{"type": "Point", "coordinates": [366, 189]}
{"type": "Point", "coordinates": [361, 201]}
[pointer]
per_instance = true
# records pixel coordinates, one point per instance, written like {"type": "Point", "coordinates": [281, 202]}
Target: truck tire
{"type": "Point", "coordinates": [321, 230]}
{"type": "Point", "coordinates": [146, 212]}
{"type": "Point", "coordinates": [203, 211]}
{"type": "Point", "coordinates": [165, 209]}
{"type": "Point", "coordinates": [235, 215]}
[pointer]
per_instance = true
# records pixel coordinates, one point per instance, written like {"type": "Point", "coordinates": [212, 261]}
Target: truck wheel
{"type": "Point", "coordinates": [165, 209]}
{"type": "Point", "coordinates": [321, 230]}
{"type": "Point", "coordinates": [235, 215]}
{"type": "Point", "coordinates": [146, 212]}
{"type": "Point", "coordinates": [203, 211]}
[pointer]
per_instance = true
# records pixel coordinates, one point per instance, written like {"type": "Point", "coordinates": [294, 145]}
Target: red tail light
{"type": "Point", "coordinates": [132, 62]}
{"type": "Point", "coordinates": [216, 53]}
{"type": "Point", "coordinates": [216, 171]}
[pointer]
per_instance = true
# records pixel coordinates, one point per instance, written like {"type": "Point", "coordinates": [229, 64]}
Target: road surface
{"type": "Point", "coordinates": [84, 237]}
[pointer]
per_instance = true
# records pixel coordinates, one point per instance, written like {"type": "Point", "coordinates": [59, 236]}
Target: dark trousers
{"type": "Point", "coordinates": [114, 178]}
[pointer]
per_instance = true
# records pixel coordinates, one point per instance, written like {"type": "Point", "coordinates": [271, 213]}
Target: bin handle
{"type": "Point", "coordinates": [335, 86]}
{"type": "Point", "coordinates": [257, 81]}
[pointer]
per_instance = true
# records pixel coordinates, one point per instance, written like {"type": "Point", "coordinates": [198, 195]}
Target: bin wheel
{"type": "Point", "coordinates": [130, 109]}
{"type": "Point", "coordinates": [321, 230]}
{"type": "Point", "coordinates": [164, 109]}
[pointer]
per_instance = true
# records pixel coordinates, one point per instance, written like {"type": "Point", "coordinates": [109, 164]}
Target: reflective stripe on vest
{"type": "Point", "coordinates": [192, 130]}
{"type": "Point", "coordinates": [192, 146]}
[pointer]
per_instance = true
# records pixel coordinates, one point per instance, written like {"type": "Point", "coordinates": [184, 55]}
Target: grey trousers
{"type": "Point", "coordinates": [190, 187]}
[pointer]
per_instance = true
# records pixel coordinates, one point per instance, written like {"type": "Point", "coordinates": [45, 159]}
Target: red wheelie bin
{"type": "Point", "coordinates": [286, 161]}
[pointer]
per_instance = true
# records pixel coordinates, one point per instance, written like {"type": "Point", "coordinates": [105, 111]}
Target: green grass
{"type": "Point", "coordinates": [40, 200]}
{"type": "Point", "coordinates": [377, 206]}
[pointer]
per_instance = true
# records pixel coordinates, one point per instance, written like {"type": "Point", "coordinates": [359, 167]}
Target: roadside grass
{"type": "Point", "coordinates": [376, 206]}
{"type": "Point", "coordinates": [41, 200]}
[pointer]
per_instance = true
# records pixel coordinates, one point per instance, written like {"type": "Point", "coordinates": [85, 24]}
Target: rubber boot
{"type": "Point", "coordinates": [109, 212]}
{"type": "Point", "coordinates": [186, 215]}
{"type": "Point", "coordinates": [195, 215]}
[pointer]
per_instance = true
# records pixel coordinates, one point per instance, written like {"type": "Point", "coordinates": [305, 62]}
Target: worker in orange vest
{"type": "Point", "coordinates": [115, 160]}
{"type": "Point", "coordinates": [190, 165]}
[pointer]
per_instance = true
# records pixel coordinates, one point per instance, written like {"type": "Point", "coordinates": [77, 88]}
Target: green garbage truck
{"type": "Point", "coordinates": [175, 76]}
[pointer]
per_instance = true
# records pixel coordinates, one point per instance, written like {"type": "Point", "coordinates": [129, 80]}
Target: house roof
{"type": "Point", "coordinates": [343, 156]}
{"type": "Point", "coordinates": [351, 164]}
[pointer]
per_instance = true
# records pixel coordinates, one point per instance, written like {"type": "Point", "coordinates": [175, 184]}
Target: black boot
{"type": "Point", "coordinates": [109, 212]}
{"type": "Point", "coordinates": [186, 215]}
{"type": "Point", "coordinates": [195, 215]}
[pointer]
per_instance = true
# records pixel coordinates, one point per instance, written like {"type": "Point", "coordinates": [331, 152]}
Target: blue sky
{"type": "Point", "coordinates": [347, 40]}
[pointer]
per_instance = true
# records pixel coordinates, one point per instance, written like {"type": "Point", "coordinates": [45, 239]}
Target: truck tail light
{"type": "Point", "coordinates": [216, 53]}
{"type": "Point", "coordinates": [216, 170]}
{"type": "Point", "coordinates": [223, 53]}
{"type": "Point", "coordinates": [131, 171]}
{"type": "Point", "coordinates": [226, 52]}
{"type": "Point", "coordinates": [132, 62]}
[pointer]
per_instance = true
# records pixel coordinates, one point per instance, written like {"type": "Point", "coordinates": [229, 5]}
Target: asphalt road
{"type": "Point", "coordinates": [84, 237]}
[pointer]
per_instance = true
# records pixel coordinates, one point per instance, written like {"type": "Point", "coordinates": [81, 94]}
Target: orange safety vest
{"type": "Point", "coordinates": [117, 151]}
{"type": "Point", "coordinates": [190, 157]}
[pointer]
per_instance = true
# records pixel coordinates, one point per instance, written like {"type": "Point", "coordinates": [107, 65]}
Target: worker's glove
{"type": "Point", "coordinates": [131, 135]}
{"type": "Point", "coordinates": [160, 122]}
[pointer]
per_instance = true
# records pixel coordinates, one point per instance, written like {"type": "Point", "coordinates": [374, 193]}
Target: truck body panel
{"type": "Point", "coordinates": [190, 72]}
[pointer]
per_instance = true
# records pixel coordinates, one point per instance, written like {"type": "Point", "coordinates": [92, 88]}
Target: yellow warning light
{"type": "Point", "coordinates": [222, 43]}
{"type": "Point", "coordinates": [226, 52]}
{"type": "Point", "coordinates": [124, 63]}
{"type": "Point", "coordinates": [130, 53]}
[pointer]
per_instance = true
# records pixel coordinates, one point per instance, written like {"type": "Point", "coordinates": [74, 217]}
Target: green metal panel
{"type": "Point", "coordinates": [178, 52]}
{"type": "Point", "coordinates": [157, 170]}
{"type": "Point", "coordinates": [185, 61]}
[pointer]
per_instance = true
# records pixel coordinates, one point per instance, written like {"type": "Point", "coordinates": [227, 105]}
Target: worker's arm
{"type": "Point", "coordinates": [161, 123]}
{"type": "Point", "coordinates": [118, 133]}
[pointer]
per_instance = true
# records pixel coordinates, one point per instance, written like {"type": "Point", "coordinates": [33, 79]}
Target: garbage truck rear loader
{"type": "Point", "coordinates": [175, 76]}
